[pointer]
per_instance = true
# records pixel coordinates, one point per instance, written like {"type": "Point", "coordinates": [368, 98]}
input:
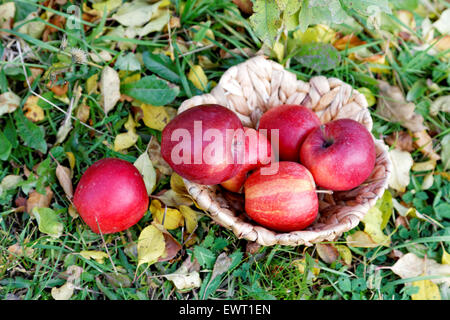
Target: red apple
{"type": "Point", "coordinates": [112, 194]}
{"type": "Point", "coordinates": [294, 123]}
{"type": "Point", "coordinates": [258, 152]}
{"type": "Point", "coordinates": [204, 144]}
{"type": "Point", "coordinates": [339, 154]}
{"type": "Point", "coordinates": [284, 201]}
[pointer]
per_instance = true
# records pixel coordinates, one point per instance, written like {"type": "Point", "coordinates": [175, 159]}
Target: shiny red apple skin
{"type": "Point", "coordinates": [258, 152]}
{"type": "Point", "coordinates": [340, 154]}
{"type": "Point", "coordinates": [285, 201]}
{"type": "Point", "coordinates": [196, 169]}
{"type": "Point", "coordinates": [112, 193]}
{"type": "Point", "coordinates": [294, 122]}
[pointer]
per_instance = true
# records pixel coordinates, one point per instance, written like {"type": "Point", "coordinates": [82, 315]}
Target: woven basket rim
{"type": "Point", "coordinates": [251, 88]}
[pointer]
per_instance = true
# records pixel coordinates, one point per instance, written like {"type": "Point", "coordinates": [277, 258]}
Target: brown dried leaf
{"type": "Point", "coordinates": [172, 245]}
{"type": "Point", "coordinates": [63, 174]}
{"type": "Point", "coordinates": [360, 239]}
{"type": "Point", "coordinates": [38, 200]}
{"type": "Point", "coordinates": [425, 143]}
{"type": "Point", "coordinates": [327, 252]}
{"type": "Point", "coordinates": [82, 112]}
{"type": "Point", "coordinates": [348, 41]}
{"type": "Point", "coordinates": [400, 140]}
{"type": "Point", "coordinates": [246, 6]}
{"type": "Point", "coordinates": [154, 151]}
{"type": "Point", "coordinates": [393, 106]}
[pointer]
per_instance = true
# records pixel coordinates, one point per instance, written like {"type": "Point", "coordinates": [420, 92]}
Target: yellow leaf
{"type": "Point", "coordinates": [318, 33]}
{"type": "Point", "coordinates": [92, 84]}
{"type": "Point", "coordinates": [445, 257]}
{"type": "Point", "coordinates": [278, 50]}
{"type": "Point", "coordinates": [425, 143]}
{"type": "Point", "coordinates": [9, 101]}
{"type": "Point", "coordinates": [172, 217]}
{"type": "Point", "coordinates": [372, 226]}
{"type": "Point", "coordinates": [151, 245]}
{"type": "Point", "coordinates": [129, 79]}
{"type": "Point", "coordinates": [301, 266]}
{"type": "Point", "coordinates": [32, 111]}
{"type": "Point", "coordinates": [177, 184]}
{"type": "Point", "coordinates": [198, 77]}
{"type": "Point", "coordinates": [71, 158]}
{"type": "Point", "coordinates": [145, 167]}
{"type": "Point", "coordinates": [98, 256]}
{"type": "Point", "coordinates": [424, 166]}
{"type": "Point", "coordinates": [345, 253]}
{"type": "Point", "coordinates": [109, 4]}
{"type": "Point", "coordinates": [368, 95]}
{"type": "Point", "coordinates": [360, 239]}
{"type": "Point", "coordinates": [190, 217]}
{"type": "Point", "coordinates": [155, 117]}
{"type": "Point", "coordinates": [125, 140]}
{"type": "Point", "coordinates": [427, 290]}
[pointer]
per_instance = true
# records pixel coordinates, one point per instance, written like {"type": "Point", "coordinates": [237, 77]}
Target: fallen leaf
{"type": "Point", "coordinates": [109, 5]}
{"type": "Point", "coordinates": [125, 140]}
{"type": "Point", "coordinates": [400, 140]}
{"type": "Point", "coordinates": [445, 152]}
{"type": "Point", "coordinates": [428, 181]}
{"type": "Point", "coordinates": [145, 167]}
{"type": "Point", "coordinates": [402, 162]}
{"type": "Point", "coordinates": [348, 41]}
{"type": "Point", "coordinates": [440, 104]}
{"type": "Point", "coordinates": [345, 253]}
{"type": "Point", "coordinates": [73, 212]}
{"type": "Point", "coordinates": [19, 250]}
{"type": "Point", "coordinates": [427, 290]}
{"type": "Point", "coordinates": [135, 13]}
{"type": "Point", "coordinates": [301, 266]}
{"type": "Point", "coordinates": [33, 26]}
{"type": "Point", "coordinates": [9, 101]}
{"type": "Point", "coordinates": [327, 252]}
{"type": "Point", "coordinates": [38, 200]}
{"type": "Point", "coordinates": [151, 245]}
{"type": "Point", "coordinates": [442, 24]}
{"type": "Point", "coordinates": [245, 6]}
{"type": "Point", "coordinates": [360, 239]}
{"type": "Point", "coordinates": [118, 280]}
{"type": "Point", "coordinates": [190, 218]}
{"type": "Point", "coordinates": [424, 165]}
{"type": "Point", "coordinates": [155, 117]}
{"type": "Point", "coordinates": [425, 143]}
{"type": "Point", "coordinates": [98, 256]}
{"type": "Point", "coordinates": [154, 151]}
{"type": "Point", "coordinates": [63, 174]}
{"type": "Point", "coordinates": [65, 292]}
{"type": "Point", "coordinates": [445, 257]}
{"type": "Point", "coordinates": [171, 217]}
{"type": "Point", "coordinates": [109, 88]}
{"type": "Point", "coordinates": [187, 276]}
{"type": "Point", "coordinates": [410, 266]}
{"type": "Point", "coordinates": [32, 110]}
{"type": "Point", "coordinates": [83, 112]}
{"type": "Point", "coordinates": [373, 220]}
{"type": "Point", "coordinates": [49, 221]}
{"type": "Point", "coordinates": [172, 245]}
{"type": "Point", "coordinates": [173, 199]}
{"type": "Point", "coordinates": [393, 106]}
{"type": "Point", "coordinates": [10, 181]}
{"type": "Point", "coordinates": [198, 77]}
{"type": "Point", "coordinates": [92, 84]}
{"type": "Point", "coordinates": [7, 12]}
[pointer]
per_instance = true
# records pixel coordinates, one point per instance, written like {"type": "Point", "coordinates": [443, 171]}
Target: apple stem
{"type": "Point", "coordinates": [325, 191]}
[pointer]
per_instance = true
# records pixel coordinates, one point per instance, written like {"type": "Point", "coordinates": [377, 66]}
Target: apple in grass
{"type": "Point", "coordinates": [294, 123]}
{"type": "Point", "coordinates": [258, 152]}
{"type": "Point", "coordinates": [340, 154]}
{"type": "Point", "coordinates": [204, 144]}
{"type": "Point", "coordinates": [285, 201]}
{"type": "Point", "coordinates": [111, 196]}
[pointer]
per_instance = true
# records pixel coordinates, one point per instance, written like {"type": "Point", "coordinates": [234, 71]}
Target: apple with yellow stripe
{"type": "Point", "coordinates": [284, 201]}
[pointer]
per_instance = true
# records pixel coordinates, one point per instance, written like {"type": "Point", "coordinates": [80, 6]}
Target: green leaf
{"type": "Point", "coordinates": [161, 65]}
{"type": "Point", "coordinates": [318, 56]}
{"type": "Point", "coordinates": [48, 221]}
{"type": "Point", "coordinates": [5, 147]}
{"type": "Point", "coordinates": [205, 257]}
{"type": "Point", "coordinates": [266, 20]}
{"type": "Point", "coordinates": [32, 135]}
{"type": "Point", "coordinates": [321, 11]}
{"type": "Point", "coordinates": [368, 7]}
{"type": "Point", "coordinates": [151, 90]}
{"type": "Point", "coordinates": [128, 62]}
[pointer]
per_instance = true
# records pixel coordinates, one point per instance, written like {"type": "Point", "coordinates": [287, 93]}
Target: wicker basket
{"type": "Point", "coordinates": [251, 88]}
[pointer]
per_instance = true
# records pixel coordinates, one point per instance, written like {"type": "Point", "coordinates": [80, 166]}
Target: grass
{"type": "Point", "coordinates": [269, 273]}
